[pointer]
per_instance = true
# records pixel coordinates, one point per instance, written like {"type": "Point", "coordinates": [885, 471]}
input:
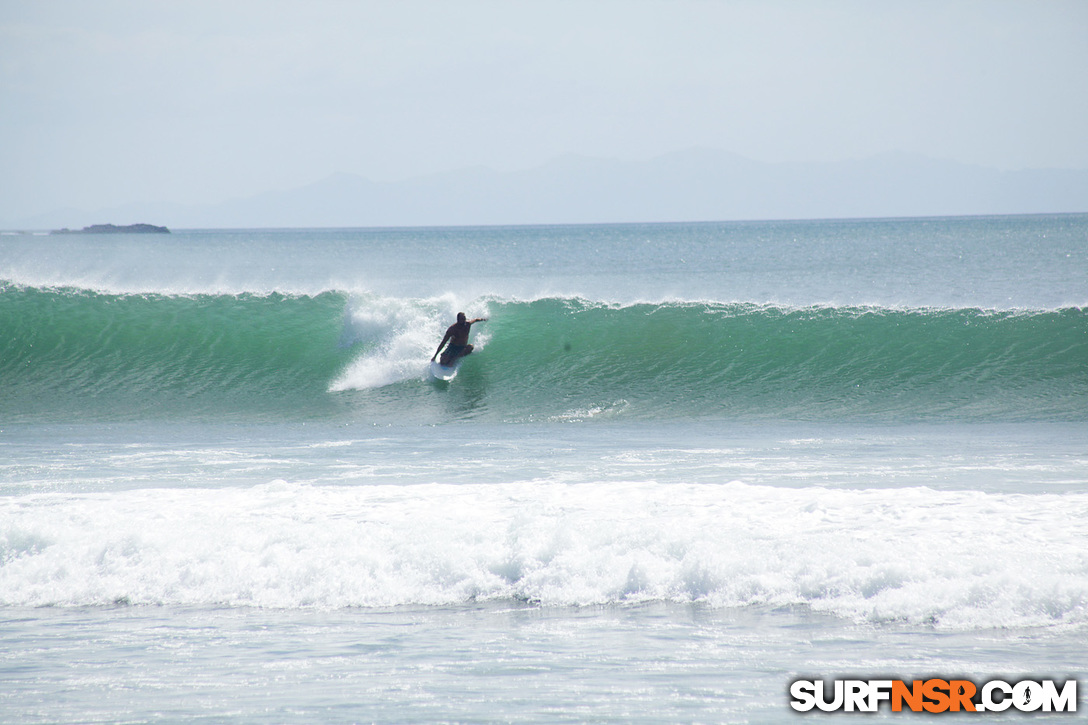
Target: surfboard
{"type": "Point", "coordinates": [445, 372]}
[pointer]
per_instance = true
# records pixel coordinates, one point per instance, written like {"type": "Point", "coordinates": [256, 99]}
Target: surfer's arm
{"type": "Point", "coordinates": [441, 344]}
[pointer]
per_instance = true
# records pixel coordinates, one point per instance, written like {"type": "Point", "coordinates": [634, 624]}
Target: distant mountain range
{"type": "Point", "coordinates": [693, 185]}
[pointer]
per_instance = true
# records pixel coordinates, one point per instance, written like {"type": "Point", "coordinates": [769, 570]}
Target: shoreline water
{"type": "Point", "coordinates": [471, 663]}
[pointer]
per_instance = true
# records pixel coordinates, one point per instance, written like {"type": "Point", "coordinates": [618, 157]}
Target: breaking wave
{"type": "Point", "coordinates": [70, 353]}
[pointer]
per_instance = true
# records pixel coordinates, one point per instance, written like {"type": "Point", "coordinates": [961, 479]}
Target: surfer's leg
{"type": "Point", "coordinates": [458, 353]}
{"type": "Point", "coordinates": [454, 352]}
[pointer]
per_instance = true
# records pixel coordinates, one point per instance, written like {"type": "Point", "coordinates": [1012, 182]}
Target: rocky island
{"type": "Point", "coordinates": [114, 229]}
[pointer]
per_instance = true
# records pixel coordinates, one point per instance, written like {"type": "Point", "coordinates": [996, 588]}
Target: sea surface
{"type": "Point", "coordinates": [686, 465]}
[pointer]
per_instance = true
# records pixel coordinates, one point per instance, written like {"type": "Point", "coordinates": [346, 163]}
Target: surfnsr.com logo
{"type": "Point", "coordinates": [934, 695]}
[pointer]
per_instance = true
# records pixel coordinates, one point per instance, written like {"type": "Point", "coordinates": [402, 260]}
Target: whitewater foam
{"type": "Point", "coordinates": [959, 560]}
{"type": "Point", "coordinates": [399, 336]}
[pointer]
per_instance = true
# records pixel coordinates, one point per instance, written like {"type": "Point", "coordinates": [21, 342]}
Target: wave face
{"type": "Point", "coordinates": [68, 352]}
{"type": "Point", "coordinates": [801, 363]}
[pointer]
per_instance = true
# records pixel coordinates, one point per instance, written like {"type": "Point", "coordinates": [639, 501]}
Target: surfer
{"type": "Point", "coordinates": [457, 336]}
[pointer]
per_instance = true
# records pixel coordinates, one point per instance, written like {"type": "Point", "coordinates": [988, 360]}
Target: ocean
{"type": "Point", "coordinates": [686, 466]}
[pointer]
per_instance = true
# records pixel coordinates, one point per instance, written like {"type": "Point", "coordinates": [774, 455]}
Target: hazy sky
{"type": "Point", "coordinates": [114, 101]}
